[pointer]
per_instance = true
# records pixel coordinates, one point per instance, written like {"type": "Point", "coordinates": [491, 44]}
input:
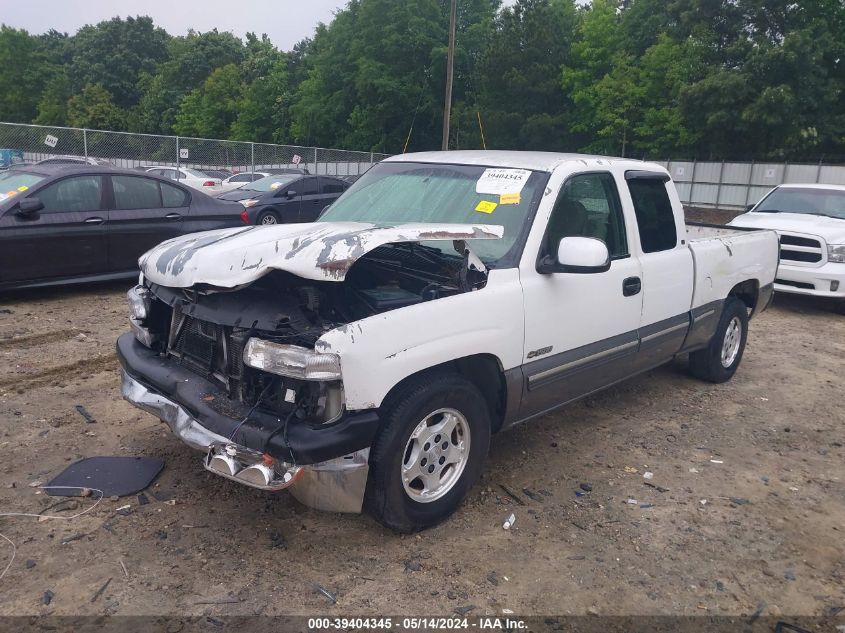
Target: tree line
{"type": "Point", "coordinates": [658, 78]}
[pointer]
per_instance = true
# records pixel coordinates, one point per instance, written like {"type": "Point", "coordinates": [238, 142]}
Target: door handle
{"type": "Point", "coordinates": [632, 286]}
{"type": "Point", "coordinates": [173, 216]}
{"type": "Point", "coordinates": [94, 221]}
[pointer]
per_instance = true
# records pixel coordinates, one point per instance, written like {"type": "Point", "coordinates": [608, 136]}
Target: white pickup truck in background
{"type": "Point", "coordinates": [810, 222]}
{"type": "Point", "coordinates": [368, 357]}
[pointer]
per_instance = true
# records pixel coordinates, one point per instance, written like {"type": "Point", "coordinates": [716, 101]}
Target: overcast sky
{"type": "Point", "coordinates": [285, 21]}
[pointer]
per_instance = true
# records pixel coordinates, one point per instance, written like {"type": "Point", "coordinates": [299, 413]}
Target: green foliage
{"type": "Point", "coordinates": [660, 78]}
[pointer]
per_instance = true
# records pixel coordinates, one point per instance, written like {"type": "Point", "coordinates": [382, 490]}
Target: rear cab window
{"type": "Point", "coordinates": [653, 210]}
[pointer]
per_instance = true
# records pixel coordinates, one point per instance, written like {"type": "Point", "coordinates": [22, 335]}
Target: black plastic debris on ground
{"type": "Point", "coordinates": [84, 413]}
{"type": "Point", "coordinates": [114, 476]}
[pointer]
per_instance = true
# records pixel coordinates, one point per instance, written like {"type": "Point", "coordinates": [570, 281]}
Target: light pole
{"type": "Point", "coordinates": [450, 66]}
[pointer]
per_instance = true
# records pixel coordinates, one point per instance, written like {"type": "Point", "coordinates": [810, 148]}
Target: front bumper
{"type": "Point", "coordinates": [323, 466]}
{"type": "Point", "coordinates": [806, 280]}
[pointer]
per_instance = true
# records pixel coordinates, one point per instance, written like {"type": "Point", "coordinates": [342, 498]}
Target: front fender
{"type": "Point", "coordinates": [382, 350]}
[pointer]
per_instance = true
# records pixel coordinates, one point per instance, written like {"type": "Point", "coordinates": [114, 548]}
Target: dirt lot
{"type": "Point", "coordinates": [773, 436]}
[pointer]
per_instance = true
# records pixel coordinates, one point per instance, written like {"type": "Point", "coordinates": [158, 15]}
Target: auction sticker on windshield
{"type": "Point", "coordinates": [502, 181]}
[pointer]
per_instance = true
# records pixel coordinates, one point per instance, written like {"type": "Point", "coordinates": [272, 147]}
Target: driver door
{"type": "Point", "coordinates": [581, 328]}
{"type": "Point", "coordinates": [66, 238]}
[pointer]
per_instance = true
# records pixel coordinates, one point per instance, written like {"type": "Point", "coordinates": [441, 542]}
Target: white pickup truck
{"type": "Point", "coordinates": [810, 222]}
{"type": "Point", "coordinates": [365, 360]}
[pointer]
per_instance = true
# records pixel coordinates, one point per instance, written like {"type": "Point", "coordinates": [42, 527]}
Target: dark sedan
{"type": "Point", "coordinates": [62, 224]}
{"type": "Point", "coordinates": [286, 198]}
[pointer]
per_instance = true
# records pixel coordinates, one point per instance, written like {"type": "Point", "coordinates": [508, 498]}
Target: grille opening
{"type": "Point", "coordinates": [796, 284]}
{"type": "Point", "coordinates": [794, 240]}
{"type": "Point", "coordinates": [800, 256]}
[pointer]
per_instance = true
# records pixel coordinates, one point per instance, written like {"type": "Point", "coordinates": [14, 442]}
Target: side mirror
{"type": "Point", "coordinates": [30, 206]}
{"type": "Point", "coordinates": [749, 207]}
{"type": "Point", "coordinates": [290, 193]}
{"type": "Point", "coordinates": [577, 255]}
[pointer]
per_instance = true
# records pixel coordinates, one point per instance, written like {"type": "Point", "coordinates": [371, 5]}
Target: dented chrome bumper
{"type": "Point", "coordinates": [336, 485]}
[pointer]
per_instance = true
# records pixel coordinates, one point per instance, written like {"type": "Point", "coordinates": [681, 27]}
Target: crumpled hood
{"type": "Point", "coordinates": [832, 230]}
{"type": "Point", "coordinates": [323, 251]}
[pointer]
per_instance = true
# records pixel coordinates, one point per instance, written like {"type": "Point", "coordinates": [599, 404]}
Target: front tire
{"type": "Point", "coordinates": [429, 452]}
{"type": "Point", "coordinates": [718, 361]}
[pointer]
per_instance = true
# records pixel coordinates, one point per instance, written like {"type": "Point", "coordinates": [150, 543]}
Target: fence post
{"type": "Point", "coordinates": [819, 170]}
{"type": "Point", "coordinates": [785, 172]}
{"type": "Point", "coordinates": [85, 141]}
{"type": "Point", "coordinates": [719, 186]}
{"type": "Point", "coordinates": [316, 164]}
{"type": "Point", "coordinates": [177, 153]}
{"type": "Point", "coordinates": [750, 180]}
{"type": "Point", "coordinates": [252, 156]}
{"type": "Point", "coordinates": [692, 182]}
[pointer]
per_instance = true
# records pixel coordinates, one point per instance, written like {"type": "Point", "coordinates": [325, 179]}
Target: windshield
{"type": "Point", "coordinates": [270, 183]}
{"type": "Point", "coordinates": [13, 183]}
{"type": "Point", "coordinates": [400, 193]}
{"type": "Point", "coordinates": [827, 202]}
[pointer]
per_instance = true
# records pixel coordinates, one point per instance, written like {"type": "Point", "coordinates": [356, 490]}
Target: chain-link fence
{"type": "Point", "coordinates": [34, 143]}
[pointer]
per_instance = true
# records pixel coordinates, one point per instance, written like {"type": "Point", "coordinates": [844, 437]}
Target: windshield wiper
{"type": "Point", "coordinates": [824, 215]}
{"type": "Point", "coordinates": [767, 210]}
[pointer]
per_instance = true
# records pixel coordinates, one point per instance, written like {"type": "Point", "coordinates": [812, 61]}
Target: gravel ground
{"type": "Point", "coordinates": [744, 512]}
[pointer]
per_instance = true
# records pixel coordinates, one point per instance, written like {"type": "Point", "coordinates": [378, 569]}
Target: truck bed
{"type": "Point", "coordinates": [724, 256]}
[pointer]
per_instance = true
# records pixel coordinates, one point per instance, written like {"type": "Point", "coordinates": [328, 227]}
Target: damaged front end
{"type": "Point", "coordinates": [235, 369]}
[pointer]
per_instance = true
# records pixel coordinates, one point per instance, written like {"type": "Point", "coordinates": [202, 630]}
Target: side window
{"type": "Point", "coordinates": [306, 187]}
{"type": "Point", "coordinates": [80, 193]}
{"type": "Point", "coordinates": [255, 177]}
{"type": "Point", "coordinates": [330, 186]}
{"type": "Point", "coordinates": [588, 206]}
{"type": "Point", "coordinates": [178, 175]}
{"type": "Point", "coordinates": [173, 196]}
{"type": "Point", "coordinates": [132, 192]}
{"type": "Point", "coordinates": [241, 178]}
{"type": "Point", "coordinates": [655, 219]}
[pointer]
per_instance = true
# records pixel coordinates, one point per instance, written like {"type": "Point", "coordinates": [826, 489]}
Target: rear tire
{"type": "Point", "coordinates": [429, 452]}
{"type": "Point", "coordinates": [718, 361]}
{"type": "Point", "coordinates": [268, 218]}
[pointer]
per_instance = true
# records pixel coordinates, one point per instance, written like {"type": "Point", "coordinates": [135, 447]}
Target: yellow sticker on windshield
{"type": "Point", "coordinates": [275, 185]}
{"type": "Point", "coordinates": [23, 188]}
{"type": "Point", "coordinates": [510, 198]}
{"type": "Point", "coordinates": [486, 207]}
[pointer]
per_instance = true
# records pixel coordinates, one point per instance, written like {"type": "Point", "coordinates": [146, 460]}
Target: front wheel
{"type": "Point", "coordinates": [718, 361]}
{"type": "Point", "coordinates": [428, 454]}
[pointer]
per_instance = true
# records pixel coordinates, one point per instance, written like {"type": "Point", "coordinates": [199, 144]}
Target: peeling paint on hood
{"type": "Point", "coordinates": [323, 251]}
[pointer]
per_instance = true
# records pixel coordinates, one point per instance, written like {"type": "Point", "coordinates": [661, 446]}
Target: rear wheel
{"type": "Point", "coordinates": [266, 218]}
{"type": "Point", "coordinates": [718, 361]}
{"type": "Point", "coordinates": [428, 454]}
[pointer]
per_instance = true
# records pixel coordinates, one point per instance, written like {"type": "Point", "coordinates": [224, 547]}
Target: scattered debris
{"type": "Point", "coordinates": [491, 578]}
{"type": "Point", "coordinates": [585, 487]}
{"type": "Point", "coordinates": [789, 574]}
{"type": "Point", "coordinates": [101, 590]}
{"type": "Point", "coordinates": [579, 526]}
{"type": "Point", "coordinates": [545, 493]}
{"type": "Point", "coordinates": [509, 522]}
{"type": "Point", "coordinates": [122, 566]}
{"type": "Point", "coordinates": [30, 563]}
{"type": "Point", "coordinates": [644, 506]}
{"type": "Point", "coordinates": [507, 611]}
{"type": "Point", "coordinates": [532, 495]}
{"type": "Point", "coordinates": [319, 589]}
{"type": "Point", "coordinates": [703, 502]}
{"type": "Point", "coordinates": [412, 565]}
{"type": "Point", "coordinates": [512, 494]}
{"type": "Point", "coordinates": [716, 461]}
{"type": "Point", "coordinates": [124, 510]}
{"type": "Point", "coordinates": [648, 475]}
{"type": "Point", "coordinates": [143, 499]}
{"type": "Point", "coordinates": [632, 502]}
{"type": "Point", "coordinates": [631, 470]}
{"type": "Point", "coordinates": [115, 476]}
{"type": "Point", "coordinates": [71, 539]}
{"type": "Point", "coordinates": [655, 486]}
{"type": "Point", "coordinates": [464, 610]}
{"type": "Point", "coordinates": [277, 540]}
{"type": "Point", "coordinates": [693, 470]}
{"type": "Point", "coordinates": [47, 597]}
{"type": "Point", "coordinates": [219, 601]}
{"type": "Point", "coordinates": [593, 610]}
{"type": "Point", "coordinates": [84, 413]}
{"type": "Point", "coordinates": [740, 501]}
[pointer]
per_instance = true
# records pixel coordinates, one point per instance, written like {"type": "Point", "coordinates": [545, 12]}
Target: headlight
{"type": "Point", "coordinates": [836, 253]}
{"type": "Point", "coordinates": [291, 360]}
{"type": "Point", "coordinates": [139, 303]}
{"type": "Point", "coordinates": [249, 202]}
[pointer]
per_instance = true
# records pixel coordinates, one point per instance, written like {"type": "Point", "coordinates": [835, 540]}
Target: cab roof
{"type": "Point", "coordinates": [536, 161]}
